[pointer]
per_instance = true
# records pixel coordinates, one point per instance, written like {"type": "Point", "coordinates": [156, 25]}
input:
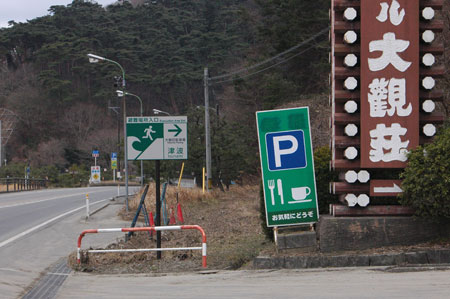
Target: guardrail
{"type": "Point", "coordinates": [20, 184]}
{"type": "Point", "coordinates": [140, 229]}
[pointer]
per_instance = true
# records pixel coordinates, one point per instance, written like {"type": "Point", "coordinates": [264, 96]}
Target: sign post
{"type": "Point", "coordinates": [287, 166]}
{"type": "Point", "coordinates": [157, 138]}
{"type": "Point", "coordinates": [95, 154]}
{"type": "Point", "coordinates": [95, 174]}
{"type": "Point", "coordinates": [114, 165]}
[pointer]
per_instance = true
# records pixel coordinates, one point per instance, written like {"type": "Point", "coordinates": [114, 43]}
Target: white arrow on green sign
{"type": "Point", "coordinates": [287, 166]}
{"type": "Point", "coordinates": [157, 138]}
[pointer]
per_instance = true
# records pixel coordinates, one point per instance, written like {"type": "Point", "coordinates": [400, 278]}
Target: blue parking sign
{"type": "Point", "coordinates": [286, 150]}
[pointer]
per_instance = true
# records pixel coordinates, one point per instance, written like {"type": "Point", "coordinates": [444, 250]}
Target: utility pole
{"type": "Point", "coordinates": [125, 150]}
{"type": "Point", "coordinates": [207, 132]}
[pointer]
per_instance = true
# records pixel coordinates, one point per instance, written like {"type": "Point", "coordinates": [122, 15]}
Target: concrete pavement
{"type": "Point", "coordinates": [346, 283]}
{"type": "Point", "coordinates": [431, 281]}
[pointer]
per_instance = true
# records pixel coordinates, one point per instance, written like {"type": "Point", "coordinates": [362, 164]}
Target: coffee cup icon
{"type": "Point", "coordinates": [300, 193]}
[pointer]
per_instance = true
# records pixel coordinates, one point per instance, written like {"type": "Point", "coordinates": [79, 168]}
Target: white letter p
{"type": "Point", "coordinates": [279, 152]}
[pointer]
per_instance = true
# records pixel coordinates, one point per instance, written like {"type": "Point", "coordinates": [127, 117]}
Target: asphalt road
{"type": "Point", "coordinates": [39, 227]}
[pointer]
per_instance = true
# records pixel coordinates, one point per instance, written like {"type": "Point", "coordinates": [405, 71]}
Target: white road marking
{"type": "Point", "coordinates": [47, 199]}
{"type": "Point", "coordinates": [13, 270]}
{"type": "Point", "coordinates": [24, 233]}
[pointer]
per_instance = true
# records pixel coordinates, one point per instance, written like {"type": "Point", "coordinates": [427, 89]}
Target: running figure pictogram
{"type": "Point", "coordinates": [148, 133]}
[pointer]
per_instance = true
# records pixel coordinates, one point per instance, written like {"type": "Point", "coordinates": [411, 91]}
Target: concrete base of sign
{"type": "Point", "coordinates": [359, 233]}
{"type": "Point", "coordinates": [429, 257]}
{"type": "Point", "coordinates": [340, 238]}
{"type": "Point", "coordinates": [299, 240]}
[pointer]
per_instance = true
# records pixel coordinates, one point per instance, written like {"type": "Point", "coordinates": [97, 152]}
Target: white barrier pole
{"type": "Point", "coordinates": [137, 229]}
{"type": "Point", "coordinates": [87, 206]}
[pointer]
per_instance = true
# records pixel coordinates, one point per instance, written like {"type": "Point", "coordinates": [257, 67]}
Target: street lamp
{"type": "Point", "coordinates": [156, 111]}
{"type": "Point", "coordinates": [95, 59]}
{"type": "Point", "coordinates": [120, 94]}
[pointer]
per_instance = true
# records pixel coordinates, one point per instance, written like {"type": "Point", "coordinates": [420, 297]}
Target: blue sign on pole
{"type": "Point", "coordinates": [95, 153]}
{"type": "Point", "coordinates": [113, 155]}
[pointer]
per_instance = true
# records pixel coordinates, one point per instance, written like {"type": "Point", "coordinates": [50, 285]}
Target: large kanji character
{"type": "Point", "coordinates": [389, 46]}
{"type": "Point", "coordinates": [395, 16]}
{"type": "Point", "coordinates": [382, 92]}
{"type": "Point", "coordinates": [396, 148]}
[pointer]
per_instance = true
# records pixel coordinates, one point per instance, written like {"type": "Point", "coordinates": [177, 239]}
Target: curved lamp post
{"type": "Point", "coordinates": [95, 59]}
{"type": "Point", "coordinates": [120, 94]}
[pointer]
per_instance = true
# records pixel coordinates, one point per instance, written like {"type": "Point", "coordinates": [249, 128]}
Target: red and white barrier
{"type": "Point", "coordinates": [140, 229]}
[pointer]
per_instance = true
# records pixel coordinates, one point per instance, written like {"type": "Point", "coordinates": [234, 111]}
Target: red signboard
{"type": "Point", "coordinates": [389, 82]}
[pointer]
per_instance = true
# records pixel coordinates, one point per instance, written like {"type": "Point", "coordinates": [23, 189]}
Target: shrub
{"type": "Point", "coordinates": [426, 179]}
{"type": "Point", "coordinates": [324, 176]}
{"type": "Point", "coordinates": [268, 231]}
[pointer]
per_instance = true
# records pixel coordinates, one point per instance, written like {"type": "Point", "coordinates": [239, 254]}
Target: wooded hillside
{"type": "Point", "coordinates": [61, 100]}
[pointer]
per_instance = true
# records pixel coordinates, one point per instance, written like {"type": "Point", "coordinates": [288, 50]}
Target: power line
{"type": "Point", "coordinates": [266, 68]}
{"type": "Point", "coordinates": [269, 59]}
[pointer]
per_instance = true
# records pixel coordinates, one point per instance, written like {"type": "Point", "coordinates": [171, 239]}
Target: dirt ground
{"type": "Point", "coordinates": [232, 225]}
{"type": "Point", "coordinates": [230, 220]}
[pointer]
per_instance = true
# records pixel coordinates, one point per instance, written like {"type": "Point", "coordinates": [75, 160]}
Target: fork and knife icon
{"type": "Point", "coordinates": [271, 185]}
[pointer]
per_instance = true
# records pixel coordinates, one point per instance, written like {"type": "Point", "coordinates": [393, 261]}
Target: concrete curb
{"type": "Point", "coordinates": [424, 257]}
{"type": "Point", "coordinates": [113, 200]}
{"type": "Point", "coordinates": [99, 209]}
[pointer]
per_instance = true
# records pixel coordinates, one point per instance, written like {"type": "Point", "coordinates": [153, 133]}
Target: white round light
{"type": "Point", "coordinates": [351, 130]}
{"type": "Point", "coordinates": [428, 106]}
{"type": "Point", "coordinates": [428, 59]}
{"type": "Point", "coordinates": [428, 82]}
{"type": "Point", "coordinates": [351, 176]}
{"type": "Point", "coordinates": [428, 36]}
{"type": "Point", "coordinates": [351, 106]}
{"type": "Point", "coordinates": [351, 83]}
{"type": "Point", "coordinates": [429, 130]}
{"type": "Point", "coordinates": [351, 153]}
{"type": "Point", "coordinates": [350, 37]}
{"type": "Point", "coordinates": [363, 200]}
{"type": "Point", "coordinates": [350, 14]}
{"type": "Point", "coordinates": [363, 176]}
{"type": "Point", "coordinates": [351, 199]}
{"type": "Point", "coordinates": [350, 60]}
{"type": "Point", "coordinates": [428, 13]}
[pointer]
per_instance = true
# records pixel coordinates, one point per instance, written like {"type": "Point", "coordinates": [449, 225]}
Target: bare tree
{"type": "Point", "coordinates": [48, 153]}
{"type": "Point", "coordinates": [80, 121]}
{"type": "Point", "coordinates": [104, 140]}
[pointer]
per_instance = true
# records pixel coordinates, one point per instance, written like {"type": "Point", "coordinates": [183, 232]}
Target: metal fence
{"type": "Point", "coordinates": [20, 184]}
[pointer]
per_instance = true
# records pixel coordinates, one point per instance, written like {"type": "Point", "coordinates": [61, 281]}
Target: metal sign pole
{"type": "Point", "coordinates": [158, 206]}
{"type": "Point", "coordinates": [207, 133]}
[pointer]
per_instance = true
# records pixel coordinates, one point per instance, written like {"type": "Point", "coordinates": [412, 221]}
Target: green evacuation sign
{"type": "Point", "coordinates": [157, 138]}
{"type": "Point", "coordinates": [287, 166]}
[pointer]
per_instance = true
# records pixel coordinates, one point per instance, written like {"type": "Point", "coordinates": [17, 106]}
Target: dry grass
{"type": "Point", "coordinates": [184, 195]}
{"type": "Point", "coordinates": [230, 220]}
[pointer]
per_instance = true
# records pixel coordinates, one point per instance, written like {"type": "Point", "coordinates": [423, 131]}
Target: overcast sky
{"type": "Point", "coordinates": [23, 10]}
